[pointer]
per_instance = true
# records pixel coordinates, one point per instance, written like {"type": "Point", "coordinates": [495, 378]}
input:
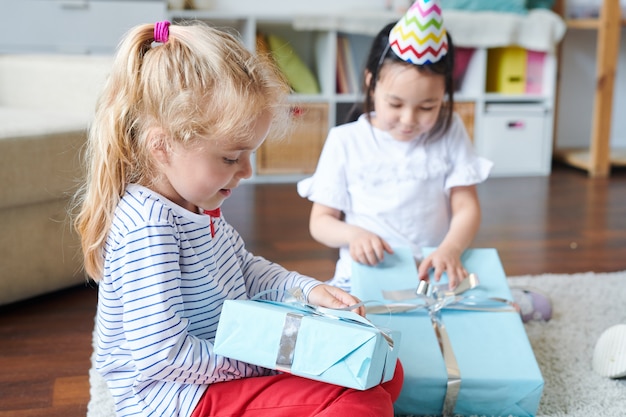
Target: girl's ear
{"type": "Point", "coordinates": [157, 147]}
{"type": "Point", "coordinates": [368, 78]}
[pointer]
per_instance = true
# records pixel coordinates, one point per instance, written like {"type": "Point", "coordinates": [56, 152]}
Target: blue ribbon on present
{"type": "Point", "coordinates": [434, 299]}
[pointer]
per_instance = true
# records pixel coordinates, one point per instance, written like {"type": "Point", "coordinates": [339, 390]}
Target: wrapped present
{"type": "Point", "coordinates": [334, 346]}
{"type": "Point", "coordinates": [463, 353]}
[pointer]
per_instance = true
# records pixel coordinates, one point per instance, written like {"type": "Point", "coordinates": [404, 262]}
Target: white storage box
{"type": "Point", "coordinates": [516, 137]}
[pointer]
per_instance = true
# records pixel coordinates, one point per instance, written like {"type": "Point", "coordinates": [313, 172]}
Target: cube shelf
{"type": "Point", "coordinates": [330, 53]}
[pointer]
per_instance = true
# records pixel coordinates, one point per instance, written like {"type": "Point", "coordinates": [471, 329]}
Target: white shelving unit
{"type": "Point", "coordinates": [513, 130]}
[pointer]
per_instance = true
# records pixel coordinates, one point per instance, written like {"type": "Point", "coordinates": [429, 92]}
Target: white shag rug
{"type": "Point", "coordinates": [584, 306]}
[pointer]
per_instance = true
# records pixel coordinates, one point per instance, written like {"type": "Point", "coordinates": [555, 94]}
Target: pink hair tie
{"type": "Point", "coordinates": [161, 31]}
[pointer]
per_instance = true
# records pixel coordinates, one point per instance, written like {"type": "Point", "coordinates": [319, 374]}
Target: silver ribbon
{"type": "Point", "coordinates": [434, 299]}
{"type": "Point", "coordinates": [288, 339]}
{"type": "Point", "coordinates": [452, 367]}
{"type": "Point", "coordinates": [295, 298]}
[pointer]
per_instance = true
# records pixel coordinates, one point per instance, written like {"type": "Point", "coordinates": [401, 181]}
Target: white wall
{"type": "Point", "coordinates": [577, 88]}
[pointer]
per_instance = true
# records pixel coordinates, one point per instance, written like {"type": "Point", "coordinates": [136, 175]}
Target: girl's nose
{"type": "Point", "coordinates": [245, 168]}
{"type": "Point", "coordinates": [409, 117]}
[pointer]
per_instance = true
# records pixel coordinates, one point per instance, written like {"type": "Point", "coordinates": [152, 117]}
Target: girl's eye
{"type": "Point", "coordinates": [427, 108]}
{"type": "Point", "coordinates": [230, 161]}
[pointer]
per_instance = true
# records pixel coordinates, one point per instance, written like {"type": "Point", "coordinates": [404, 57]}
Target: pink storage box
{"type": "Point", "coordinates": [534, 71]}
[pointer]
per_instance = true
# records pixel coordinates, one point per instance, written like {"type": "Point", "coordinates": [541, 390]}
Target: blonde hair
{"type": "Point", "coordinates": [202, 84]}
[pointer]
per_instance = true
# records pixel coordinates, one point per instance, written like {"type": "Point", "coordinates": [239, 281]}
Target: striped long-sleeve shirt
{"type": "Point", "coordinates": [165, 279]}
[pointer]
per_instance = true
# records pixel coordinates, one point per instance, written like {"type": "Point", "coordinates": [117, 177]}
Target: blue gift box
{"type": "Point", "coordinates": [334, 346]}
{"type": "Point", "coordinates": [498, 372]}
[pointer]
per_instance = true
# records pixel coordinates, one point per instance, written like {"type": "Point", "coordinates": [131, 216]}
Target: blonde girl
{"type": "Point", "coordinates": [183, 110]}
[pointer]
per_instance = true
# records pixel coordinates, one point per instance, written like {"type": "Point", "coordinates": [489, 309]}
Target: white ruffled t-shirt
{"type": "Point", "coordinates": [398, 190]}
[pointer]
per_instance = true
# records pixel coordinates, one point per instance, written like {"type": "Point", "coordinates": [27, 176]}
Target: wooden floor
{"type": "Point", "coordinates": [564, 223]}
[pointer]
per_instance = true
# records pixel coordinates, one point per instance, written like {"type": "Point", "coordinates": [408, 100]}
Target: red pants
{"type": "Point", "coordinates": [285, 395]}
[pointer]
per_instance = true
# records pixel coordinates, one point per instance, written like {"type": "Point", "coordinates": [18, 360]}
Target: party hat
{"type": "Point", "coordinates": [419, 37]}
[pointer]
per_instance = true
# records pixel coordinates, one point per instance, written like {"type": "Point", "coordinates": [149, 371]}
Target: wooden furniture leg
{"type": "Point", "coordinates": [607, 57]}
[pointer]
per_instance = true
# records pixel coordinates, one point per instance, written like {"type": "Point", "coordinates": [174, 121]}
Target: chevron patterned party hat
{"type": "Point", "coordinates": [419, 37]}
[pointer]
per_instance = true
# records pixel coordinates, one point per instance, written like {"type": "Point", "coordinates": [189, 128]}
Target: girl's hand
{"type": "Point", "coordinates": [332, 297]}
{"type": "Point", "coordinates": [463, 228]}
{"type": "Point", "coordinates": [368, 248]}
{"type": "Point", "coordinates": [444, 260]}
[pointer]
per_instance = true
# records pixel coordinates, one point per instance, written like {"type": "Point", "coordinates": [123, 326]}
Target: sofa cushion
{"type": "Point", "coordinates": [60, 83]}
{"type": "Point", "coordinates": [39, 155]}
